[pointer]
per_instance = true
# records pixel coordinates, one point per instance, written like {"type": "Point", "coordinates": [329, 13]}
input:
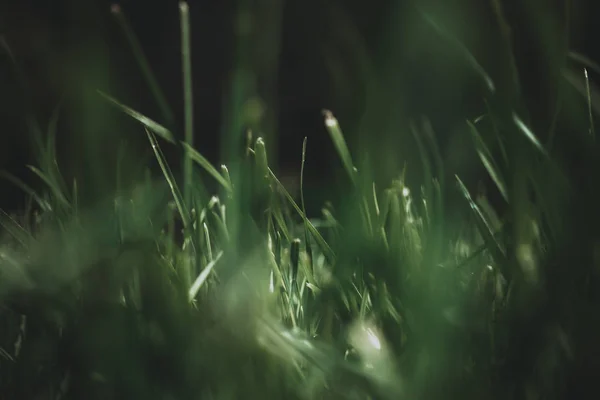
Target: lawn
{"type": "Point", "coordinates": [214, 283]}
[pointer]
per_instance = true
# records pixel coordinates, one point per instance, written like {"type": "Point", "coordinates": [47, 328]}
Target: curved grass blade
{"type": "Point", "coordinates": [208, 167]}
{"type": "Point", "coordinates": [51, 185]}
{"type": "Point", "coordinates": [167, 135]}
{"type": "Point", "coordinates": [150, 124]}
{"type": "Point", "coordinates": [327, 251]}
{"type": "Point", "coordinates": [469, 58]}
{"type": "Point", "coordinates": [193, 292]}
{"type": "Point", "coordinates": [27, 189]}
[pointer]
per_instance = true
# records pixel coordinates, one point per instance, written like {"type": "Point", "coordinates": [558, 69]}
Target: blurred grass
{"type": "Point", "coordinates": [397, 294]}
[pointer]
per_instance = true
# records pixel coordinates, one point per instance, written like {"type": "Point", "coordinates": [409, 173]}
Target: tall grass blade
{"type": "Point", "coordinates": [306, 230]}
{"type": "Point", "coordinates": [188, 126]}
{"type": "Point", "coordinates": [589, 103]}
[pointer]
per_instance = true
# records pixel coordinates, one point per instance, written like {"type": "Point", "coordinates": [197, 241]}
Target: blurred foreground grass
{"type": "Point", "coordinates": [166, 292]}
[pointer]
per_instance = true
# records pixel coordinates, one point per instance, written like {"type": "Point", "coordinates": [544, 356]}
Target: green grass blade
{"type": "Point", "coordinates": [150, 124]}
{"type": "Point", "coordinates": [188, 106]}
{"type": "Point", "coordinates": [166, 170]}
{"type": "Point", "coordinates": [51, 185]}
{"type": "Point", "coordinates": [529, 135]}
{"type": "Point", "coordinates": [139, 55]}
{"type": "Point", "coordinates": [484, 227]}
{"type": "Point", "coordinates": [193, 292]}
{"type": "Point", "coordinates": [589, 104]}
{"type": "Point", "coordinates": [585, 61]}
{"type": "Point", "coordinates": [208, 167]}
{"type": "Point", "coordinates": [485, 155]}
{"type": "Point", "coordinates": [26, 189]}
{"type": "Point", "coordinates": [468, 56]}
{"type": "Point", "coordinates": [335, 132]}
{"type": "Point", "coordinates": [14, 229]}
{"type": "Point", "coordinates": [328, 252]}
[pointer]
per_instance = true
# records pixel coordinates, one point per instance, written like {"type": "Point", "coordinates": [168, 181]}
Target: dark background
{"type": "Point", "coordinates": [377, 65]}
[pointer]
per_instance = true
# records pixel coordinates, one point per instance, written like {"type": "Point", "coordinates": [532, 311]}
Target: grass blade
{"type": "Point", "coordinates": [589, 103]}
{"type": "Point", "coordinates": [306, 230]}
{"type": "Point", "coordinates": [484, 227]}
{"type": "Point", "coordinates": [139, 55]}
{"type": "Point", "coordinates": [328, 252]}
{"type": "Point", "coordinates": [193, 292]}
{"type": "Point", "coordinates": [14, 229]}
{"type": "Point", "coordinates": [485, 155]}
{"type": "Point", "coordinates": [188, 107]}
{"type": "Point", "coordinates": [27, 189]}
{"type": "Point", "coordinates": [51, 185]}
{"type": "Point", "coordinates": [585, 61]}
{"type": "Point", "coordinates": [147, 122]}
{"type": "Point", "coordinates": [208, 167]}
{"type": "Point", "coordinates": [164, 166]}
{"type": "Point", "coordinates": [333, 127]}
{"type": "Point", "coordinates": [529, 134]}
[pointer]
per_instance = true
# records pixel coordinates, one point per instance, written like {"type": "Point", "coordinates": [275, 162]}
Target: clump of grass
{"type": "Point", "coordinates": [161, 293]}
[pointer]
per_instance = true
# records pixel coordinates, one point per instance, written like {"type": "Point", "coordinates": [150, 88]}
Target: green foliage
{"type": "Point", "coordinates": [152, 295]}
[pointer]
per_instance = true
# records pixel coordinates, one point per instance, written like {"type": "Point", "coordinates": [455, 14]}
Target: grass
{"type": "Point", "coordinates": [163, 293]}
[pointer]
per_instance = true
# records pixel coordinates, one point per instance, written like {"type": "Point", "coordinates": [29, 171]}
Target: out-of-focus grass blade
{"type": "Point", "coordinates": [427, 171]}
{"type": "Point", "coordinates": [27, 189]}
{"type": "Point", "coordinates": [147, 122]}
{"type": "Point", "coordinates": [469, 58]}
{"type": "Point", "coordinates": [585, 61]}
{"type": "Point", "coordinates": [306, 230]}
{"type": "Point", "coordinates": [333, 127]}
{"type": "Point", "coordinates": [529, 134]}
{"type": "Point", "coordinates": [51, 164]}
{"type": "Point", "coordinates": [139, 55]}
{"type": "Point", "coordinates": [51, 185]}
{"type": "Point", "coordinates": [208, 167]}
{"type": "Point", "coordinates": [203, 276]}
{"type": "Point", "coordinates": [484, 227]}
{"type": "Point", "coordinates": [188, 126]}
{"type": "Point", "coordinates": [14, 229]}
{"type": "Point", "coordinates": [488, 160]}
